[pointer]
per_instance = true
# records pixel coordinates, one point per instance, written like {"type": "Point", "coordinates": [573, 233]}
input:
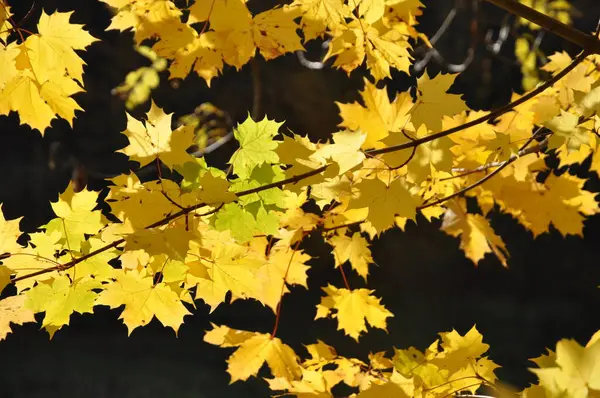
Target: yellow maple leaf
{"type": "Point", "coordinates": [469, 142]}
{"type": "Point", "coordinates": [52, 52]}
{"type": "Point", "coordinates": [423, 161]}
{"type": "Point", "coordinates": [143, 301]}
{"type": "Point", "coordinates": [173, 242]}
{"type": "Point", "coordinates": [370, 10]}
{"type": "Point", "coordinates": [318, 16]}
{"type": "Point", "coordinates": [13, 310]}
{"type": "Point", "coordinates": [145, 17]}
{"type": "Point", "coordinates": [8, 62]}
{"type": "Point", "coordinates": [383, 48]}
{"type": "Point", "coordinates": [458, 351]}
{"type": "Point", "coordinates": [477, 236]}
{"type": "Point", "coordinates": [154, 139]}
{"type": "Point", "coordinates": [560, 201]}
{"type": "Point", "coordinates": [345, 150]}
{"type": "Point", "coordinates": [60, 298]}
{"type": "Point", "coordinates": [9, 232]}
{"type": "Point", "coordinates": [378, 117]}
{"type": "Point", "coordinates": [202, 55]}
{"type": "Point", "coordinates": [229, 267]}
{"type": "Point", "coordinates": [38, 104]}
{"type": "Point", "coordinates": [5, 273]}
{"type": "Point", "coordinates": [139, 205]}
{"type": "Point", "coordinates": [567, 131]}
{"type": "Point", "coordinates": [37, 255]}
{"type": "Point", "coordinates": [577, 80]}
{"type": "Point", "coordinates": [40, 79]}
{"type": "Point", "coordinates": [384, 202]}
{"type": "Point", "coordinates": [254, 349]}
{"type": "Point", "coordinates": [348, 47]}
{"type": "Point", "coordinates": [97, 265]}
{"type": "Point", "coordinates": [216, 11]}
{"type": "Point", "coordinates": [434, 102]}
{"type": "Point", "coordinates": [545, 108]}
{"type": "Point", "coordinates": [353, 308]}
{"type": "Point", "coordinates": [355, 249]}
{"type": "Point", "coordinates": [274, 32]}
{"type": "Point", "coordinates": [575, 371]}
{"type": "Point", "coordinates": [402, 15]}
{"type": "Point", "coordinates": [284, 267]}
{"type": "Point", "coordinates": [75, 217]}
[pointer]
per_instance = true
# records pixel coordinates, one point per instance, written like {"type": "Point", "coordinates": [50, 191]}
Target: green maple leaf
{"type": "Point", "coordinates": [239, 221]}
{"type": "Point", "coordinates": [267, 222]}
{"type": "Point", "coordinates": [256, 145]}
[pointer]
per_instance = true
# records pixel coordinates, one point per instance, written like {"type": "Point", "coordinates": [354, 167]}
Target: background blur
{"type": "Point", "coordinates": [549, 292]}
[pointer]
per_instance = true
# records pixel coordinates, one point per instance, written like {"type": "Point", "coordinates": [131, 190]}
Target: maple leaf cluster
{"type": "Point", "coordinates": [220, 32]}
{"type": "Point", "coordinates": [42, 72]}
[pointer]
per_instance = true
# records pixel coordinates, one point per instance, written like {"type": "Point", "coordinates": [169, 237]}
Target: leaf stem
{"type": "Point", "coordinates": [279, 305]}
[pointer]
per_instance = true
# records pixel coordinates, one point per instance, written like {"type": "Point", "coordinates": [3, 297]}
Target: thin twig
{"type": "Point", "coordinates": [465, 172]}
{"type": "Point", "coordinates": [346, 284]}
{"type": "Point", "coordinates": [541, 146]}
{"type": "Point", "coordinates": [278, 312]}
{"type": "Point", "coordinates": [214, 146]}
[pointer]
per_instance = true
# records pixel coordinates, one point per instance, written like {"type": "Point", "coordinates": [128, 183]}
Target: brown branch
{"type": "Point", "coordinates": [588, 42]}
{"type": "Point", "coordinates": [168, 219]}
{"type": "Point", "coordinates": [465, 172]}
{"type": "Point", "coordinates": [352, 224]}
{"type": "Point", "coordinates": [492, 115]}
{"type": "Point", "coordinates": [346, 284]}
{"type": "Point", "coordinates": [501, 165]}
{"type": "Point", "coordinates": [534, 149]}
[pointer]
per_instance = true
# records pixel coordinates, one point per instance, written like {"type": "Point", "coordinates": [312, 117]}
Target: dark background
{"type": "Point", "coordinates": [549, 291]}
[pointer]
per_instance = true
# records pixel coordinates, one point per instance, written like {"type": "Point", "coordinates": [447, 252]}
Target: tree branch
{"type": "Point", "coordinates": [168, 219]}
{"type": "Point", "coordinates": [588, 42]}
{"type": "Point", "coordinates": [492, 115]}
